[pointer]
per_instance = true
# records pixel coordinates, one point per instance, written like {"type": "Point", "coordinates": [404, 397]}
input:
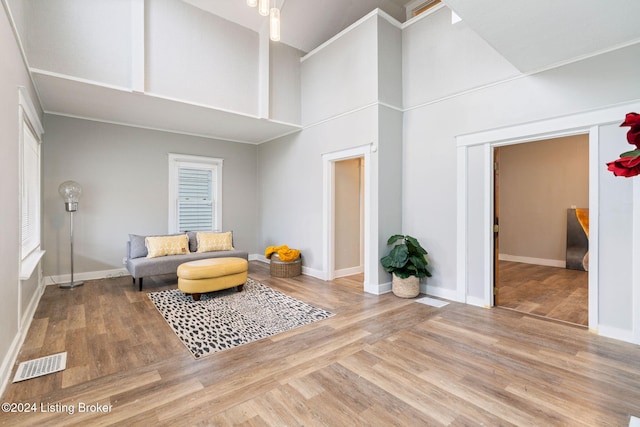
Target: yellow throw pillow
{"type": "Point", "coordinates": [208, 242]}
{"type": "Point", "coordinates": [167, 245]}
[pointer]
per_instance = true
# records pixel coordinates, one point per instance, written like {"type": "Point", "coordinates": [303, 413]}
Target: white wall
{"type": "Point", "coordinates": [615, 273]}
{"type": "Point", "coordinates": [284, 89]}
{"type": "Point", "coordinates": [342, 76]}
{"type": "Point", "coordinates": [15, 296]}
{"type": "Point", "coordinates": [290, 180]}
{"type": "Point", "coordinates": [341, 87]}
{"type": "Point", "coordinates": [199, 57]}
{"type": "Point", "coordinates": [440, 59]}
{"type": "Point", "coordinates": [189, 55]}
{"type": "Point", "coordinates": [124, 175]}
{"type": "Point", "coordinates": [434, 118]}
{"type": "Point", "coordinates": [84, 39]}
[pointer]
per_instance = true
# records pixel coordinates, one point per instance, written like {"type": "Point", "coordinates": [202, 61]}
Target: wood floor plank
{"type": "Point", "coordinates": [381, 360]}
{"type": "Point", "coordinates": [553, 292]}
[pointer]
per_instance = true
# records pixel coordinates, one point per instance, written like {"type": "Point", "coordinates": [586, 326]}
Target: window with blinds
{"type": "Point", "coordinates": [195, 200]}
{"type": "Point", "coordinates": [30, 202]}
{"type": "Point", "coordinates": [195, 189]}
{"type": "Point", "coordinates": [30, 215]}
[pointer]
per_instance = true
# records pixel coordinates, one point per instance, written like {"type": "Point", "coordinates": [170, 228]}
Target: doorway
{"type": "Point", "coordinates": [348, 216]}
{"type": "Point", "coordinates": [368, 215]}
{"type": "Point", "coordinates": [537, 188]}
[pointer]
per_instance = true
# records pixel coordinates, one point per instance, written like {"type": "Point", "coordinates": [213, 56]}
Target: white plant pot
{"type": "Point", "coordinates": [405, 288]}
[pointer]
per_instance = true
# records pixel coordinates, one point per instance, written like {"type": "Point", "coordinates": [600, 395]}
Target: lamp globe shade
{"type": "Point", "coordinates": [70, 191]}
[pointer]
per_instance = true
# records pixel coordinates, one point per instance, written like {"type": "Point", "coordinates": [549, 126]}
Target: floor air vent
{"type": "Point", "coordinates": [432, 302]}
{"type": "Point", "coordinates": [42, 366]}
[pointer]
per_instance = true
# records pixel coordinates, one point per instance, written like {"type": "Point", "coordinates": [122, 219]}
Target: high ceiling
{"type": "Point", "coordinates": [306, 24]}
{"type": "Point", "coordinates": [532, 35]}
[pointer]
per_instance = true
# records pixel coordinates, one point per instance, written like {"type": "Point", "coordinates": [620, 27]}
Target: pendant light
{"type": "Point", "coordinates": [274, 24]}
{"type": "Point", "coordinates": [263, 7]}
{"type": "Point", "coordinates": [252, 3]}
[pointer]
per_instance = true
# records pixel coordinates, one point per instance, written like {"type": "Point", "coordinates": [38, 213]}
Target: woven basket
{"type": "Point", "coordinates": [405, 288]}
{"type": "Point", "coordinates": [285, 269]}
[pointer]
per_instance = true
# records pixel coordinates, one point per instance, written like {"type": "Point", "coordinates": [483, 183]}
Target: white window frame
{"type": "Point", "coordinates": [176, 161]}
{"type": "Point", "coordinates": [30, 251]}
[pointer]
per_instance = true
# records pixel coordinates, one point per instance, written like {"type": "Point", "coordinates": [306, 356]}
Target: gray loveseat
{"type": "Point", "coordinates": [139, 266]}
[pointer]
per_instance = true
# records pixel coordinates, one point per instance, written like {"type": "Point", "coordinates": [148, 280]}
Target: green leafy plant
{"type": "Point", "coordinates": [406, 257]}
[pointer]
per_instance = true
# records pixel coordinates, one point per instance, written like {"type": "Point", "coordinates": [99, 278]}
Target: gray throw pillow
{"type": "Point", "coordinates": [138, 248]}
{"type": "Point", "coordinates": [193, 241]}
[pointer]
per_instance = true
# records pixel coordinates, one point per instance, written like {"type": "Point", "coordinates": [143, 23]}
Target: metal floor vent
{"type": "Point", "coordinates": [42, 366]}
{"type": "Point", "coordinates": [432, 302]}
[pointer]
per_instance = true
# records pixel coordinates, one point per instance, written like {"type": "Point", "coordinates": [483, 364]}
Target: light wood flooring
{"type": "Point", "coordinates": [379, 361]}
{"type": "Point", "coordinates": [552, 292]}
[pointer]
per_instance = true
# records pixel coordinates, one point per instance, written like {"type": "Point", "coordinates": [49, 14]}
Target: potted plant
{"type": "Point", "coordinates": [407, 264]}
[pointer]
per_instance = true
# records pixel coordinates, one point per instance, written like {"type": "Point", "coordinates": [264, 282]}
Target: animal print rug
{"type": "Point", "coordinates": [228, 318]}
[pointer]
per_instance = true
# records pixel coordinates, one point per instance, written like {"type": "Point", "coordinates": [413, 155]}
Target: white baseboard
{"type": "Point", "coordinates": [478, 302]}
{"type": "Point", "coordinates": [343, 272]}
{"type": "Point", "coordinates": [436, 291]}
{"type": "Point", "coordinates": [89, 275]}
{"type": "Point", "coordinates": [14, 349]}
{"type": "Point", "coordinates": [377, 289]}
{"type": "Point", "coordinates": [258, 257]}
{"type": "Point", "coordinates": [530, 260]}
{"type": "Point", "coordinates": [308, 271]}
{"type": "Point", "coordinates": [616, 333]}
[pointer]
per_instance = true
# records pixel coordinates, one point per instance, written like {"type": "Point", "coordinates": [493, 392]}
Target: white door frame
{"type": "Point", "coordinates": [328, 206]}
{"type": "Point", "coordinates": [582, 123]}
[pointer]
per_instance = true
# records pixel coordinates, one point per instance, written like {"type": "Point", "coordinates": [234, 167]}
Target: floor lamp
{"type": "Point", "coordinates": [70, 192]}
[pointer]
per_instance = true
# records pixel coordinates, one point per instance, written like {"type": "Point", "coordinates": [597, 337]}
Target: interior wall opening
{"type": "Point", "coordinates": [541, 200]}
{"type": "Point", "coordinates": [348, 253]}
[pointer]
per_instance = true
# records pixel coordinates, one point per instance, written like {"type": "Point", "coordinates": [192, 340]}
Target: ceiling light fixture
{"type": "Point", "coordinates": [274, 24]}
{"type": "Point", "coordinates": [273, 13]}
{"type": "Point", "coordinates": [263, 7]}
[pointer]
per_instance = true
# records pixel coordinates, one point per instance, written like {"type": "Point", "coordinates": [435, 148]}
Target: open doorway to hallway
{"type": "Point", "coordinates": [349, 222]}
{"type": "Point", "coordinates": [537, 187]}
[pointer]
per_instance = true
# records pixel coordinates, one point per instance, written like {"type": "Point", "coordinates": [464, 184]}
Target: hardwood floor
{"type": "Point", "coordinates": [381, 360]}
{"type": "Point", "coordinates": [355, 281]}
{"type": "Point", "coordinates": [552, 292]}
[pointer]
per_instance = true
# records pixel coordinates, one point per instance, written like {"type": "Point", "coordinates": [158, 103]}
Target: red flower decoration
{"type": "Point", "coordinates": [628, 164]}
{"type": "Point", "coordinates": [625, 166]}
{"type": "Point", "coordinates": [633, 121]}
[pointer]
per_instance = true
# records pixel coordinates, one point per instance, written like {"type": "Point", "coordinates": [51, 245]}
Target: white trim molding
{"type": "Point", "coordinates": [370, 214]}
{"type": "Point", "coordinates": [585, 123]}
{"type": "Point", "coordinates": [87, 275]}
{"type": "Point", "coordinates": [176, 161]}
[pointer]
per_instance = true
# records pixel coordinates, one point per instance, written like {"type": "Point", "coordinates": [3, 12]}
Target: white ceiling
{"type": "Point", "coordinates": [306, 24]}
{"type": "Point", "coordinates": [77, 99]}
{"type": "Point", "coordinates": [532, 35]}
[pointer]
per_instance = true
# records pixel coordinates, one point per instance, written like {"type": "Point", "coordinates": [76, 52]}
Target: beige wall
{"type": "Point", "coordinates": [538, 182]}
{"type": "Point", "coordinates": [347, 214]}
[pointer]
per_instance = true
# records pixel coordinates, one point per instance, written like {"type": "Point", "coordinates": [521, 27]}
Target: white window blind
{"type": "Point", "coordinates": [29, 193]}
{"type": "Point", "coordinates": [30, 217]}
{"type": "Point", "coordinates": [195, 188]}
{"type": "Point", "coordinates": [195, 199]}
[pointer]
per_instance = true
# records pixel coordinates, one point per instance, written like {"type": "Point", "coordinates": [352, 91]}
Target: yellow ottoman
{"type": "Point", "coordinates": [213, 274]}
